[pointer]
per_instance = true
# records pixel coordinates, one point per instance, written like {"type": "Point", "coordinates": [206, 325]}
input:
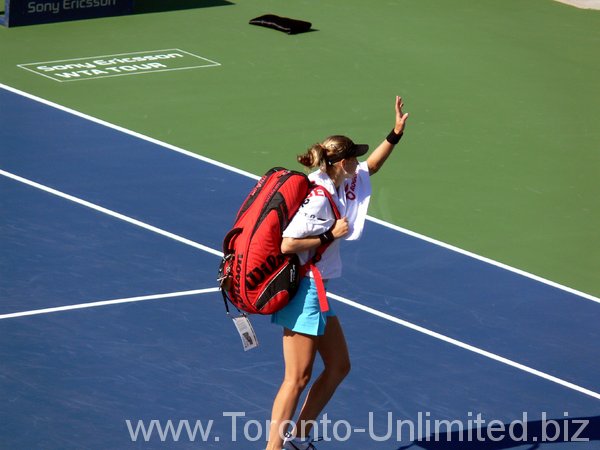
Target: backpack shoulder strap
{"type": "Point", "coordinates": [327, 194]}
{"type": "Point", "coordinates": [311, 265]}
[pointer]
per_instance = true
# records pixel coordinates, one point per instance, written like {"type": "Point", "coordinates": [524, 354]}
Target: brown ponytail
{"type": "Point", "coordinates": [314, 157]}
{"type": "Point", "coordinates": [319, 154]}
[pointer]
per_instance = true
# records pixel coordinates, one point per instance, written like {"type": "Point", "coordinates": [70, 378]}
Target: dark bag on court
{"type": "Point", "coordinates": [254, 275]}
{"type": "Point", "coordinates": [285, 24]}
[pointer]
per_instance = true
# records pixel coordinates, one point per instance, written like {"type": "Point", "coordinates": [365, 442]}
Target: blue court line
{"type": "Point", "coordinates": [352, 303]}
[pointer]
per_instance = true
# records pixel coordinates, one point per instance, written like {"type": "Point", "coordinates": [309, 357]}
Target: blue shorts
{"type": "Point", "coordinates": [303, 314]}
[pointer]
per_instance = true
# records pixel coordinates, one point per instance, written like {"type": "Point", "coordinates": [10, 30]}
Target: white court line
{"type": "Point", "coordinates": [465, 346]}
{"type": "Point", "coordinates": [129, 132]}
{"type": "Point", "coordinates": [142, 298]}
{"type": "Point", "coordinates": [487, 260]}
{"type": "Point", "coordinates": [255, 177]}
{"type": "Point", "coordinates": [110, 213]}
{"type": "Point", "coordinates": [352, 303]}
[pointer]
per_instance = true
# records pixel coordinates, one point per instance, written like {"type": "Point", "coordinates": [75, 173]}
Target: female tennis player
{"type": "Point", "coordinates": [306, 329]}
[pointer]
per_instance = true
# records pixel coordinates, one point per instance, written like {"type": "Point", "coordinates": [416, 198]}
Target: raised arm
{"type": "Point", "coordinates": [384, 150]}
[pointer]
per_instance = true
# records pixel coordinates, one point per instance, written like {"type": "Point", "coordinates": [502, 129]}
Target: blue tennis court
{"type": "Point", "coordinates": [111, 323]}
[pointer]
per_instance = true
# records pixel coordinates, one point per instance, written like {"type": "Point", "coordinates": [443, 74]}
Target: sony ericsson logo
{"type": "Point", "coordinates": [105, 66]}
{"type": "Point", "coordinates": [66, 5]}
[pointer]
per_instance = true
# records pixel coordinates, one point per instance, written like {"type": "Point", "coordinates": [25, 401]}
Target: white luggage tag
{"type": "Point", "coordinates": [246, 332]}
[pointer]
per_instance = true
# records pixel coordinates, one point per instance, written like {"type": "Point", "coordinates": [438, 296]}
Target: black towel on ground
{"type": "Point", "coordinates": [285, 24]}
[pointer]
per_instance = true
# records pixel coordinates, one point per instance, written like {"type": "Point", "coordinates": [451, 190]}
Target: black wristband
{"type": "Point", "coordinates": [326, 237]}
{"type": "Point", "coordinates": [393, 138]}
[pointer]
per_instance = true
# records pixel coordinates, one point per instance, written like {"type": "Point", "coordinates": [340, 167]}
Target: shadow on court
{"type": "Point", "coordinates": [499, 436]}
{"type": "Point", "coordinates": [153, 6]}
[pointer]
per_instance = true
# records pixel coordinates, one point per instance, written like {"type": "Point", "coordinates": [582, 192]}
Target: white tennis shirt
{"type": "Point", "coordinates": [315, 216]}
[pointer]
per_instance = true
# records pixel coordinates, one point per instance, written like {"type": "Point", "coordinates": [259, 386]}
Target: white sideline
{"type": "Point", "coordinates": [352, 303]}
{"type": "Point", "coordinates": [142, 298]}
{"type": "Point", "coordinates": [110, 213]}
{"type": "Point", "coordinates": [465, 346]}
{"type": "Point", "coordinates": [250, 175]}
{"type": "Point", "coordinates": [488, 260]}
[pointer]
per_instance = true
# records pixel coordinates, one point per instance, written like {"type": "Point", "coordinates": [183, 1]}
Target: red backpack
{"type": "Point", "coordinates": [254, 275]}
